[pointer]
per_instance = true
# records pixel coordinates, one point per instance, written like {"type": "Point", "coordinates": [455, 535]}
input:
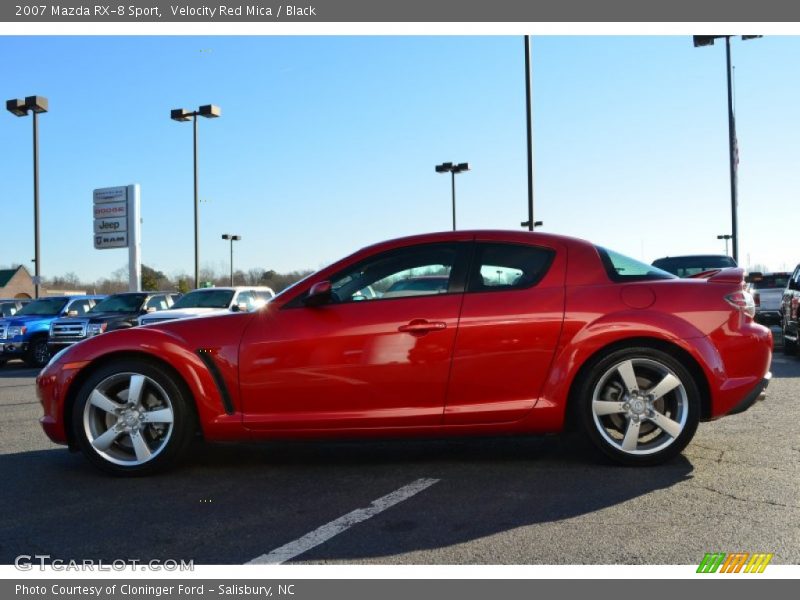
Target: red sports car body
{"type": "Point", "coordinates": [532, 332]}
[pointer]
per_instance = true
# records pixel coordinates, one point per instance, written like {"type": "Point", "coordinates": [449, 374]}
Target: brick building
{"type": "Point", "coordinates": [16, 283]}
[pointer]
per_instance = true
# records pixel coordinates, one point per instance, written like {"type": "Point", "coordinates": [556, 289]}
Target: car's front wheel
{"type": "Point", "coordinates": [133, 418]}
{"type": "Point", "coordinates": [639, 406]}
{"type": "Point", "coordinates": [38, 353]}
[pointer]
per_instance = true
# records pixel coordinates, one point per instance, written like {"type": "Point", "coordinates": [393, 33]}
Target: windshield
{"type": "Point", "coordinates": [773, 280]}
{"type": "Point", "coordinates": [124, 303]}
{"type": "Point", "coordinates": [205, 299]}
{"type": "Point", "coordinates": [686, 266]}
{"type": "Point", "coordinates": [43, 307]}
{"type": "Point", "coordinates": [624, 268]}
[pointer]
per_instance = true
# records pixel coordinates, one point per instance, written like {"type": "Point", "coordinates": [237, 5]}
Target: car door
{"type": "Point", "coordinates": [360, 360]}
{"type": "Point", "coordinates": [510, 324]}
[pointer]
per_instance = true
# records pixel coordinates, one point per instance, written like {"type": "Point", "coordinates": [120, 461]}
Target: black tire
{"type": "Point", "coordinates": [677, 410]}
{"type": "Point", "coordinates": [161, 390]}
{"type": "Point", "coordinates": [38, 353]}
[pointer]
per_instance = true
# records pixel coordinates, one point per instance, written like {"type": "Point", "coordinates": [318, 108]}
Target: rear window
{"type": "Point", "coordinates": [773, 280]}
{"type": "Point", "coordinates": [623, 268]}
{"type": "Point", "coordinates": [686, 266]}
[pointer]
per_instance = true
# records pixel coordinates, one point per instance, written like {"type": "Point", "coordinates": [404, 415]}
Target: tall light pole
{"type": "Point", "coordinates": [725, 237]}
{"type": "Point", "coordinates": [530, 223]}
{"type": "Point", "coordinates": [232, 238]}
{"type": "Point", "coordinates": [20, 108]}
{"type": "Point", "coordinates": [453, 169]}
{"type": "Point", "coordinates": [733, 159]}
{"type": "Point", "coordinates": [209, 111]}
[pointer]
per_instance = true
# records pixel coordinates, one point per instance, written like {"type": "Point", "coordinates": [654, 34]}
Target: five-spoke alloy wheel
{"type": "Point", "coordinates": [639, 405]}
{"type": "Point", "coordinates": [131, 417]}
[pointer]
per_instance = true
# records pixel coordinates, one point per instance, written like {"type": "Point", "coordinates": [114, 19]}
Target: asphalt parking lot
{"type": "Point", "coordinates": [543, 500]}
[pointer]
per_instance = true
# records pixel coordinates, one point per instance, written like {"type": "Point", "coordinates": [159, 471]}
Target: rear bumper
{"type": "Point", "coordinates": [752, 396]}
{"type": "Point", "coordinates": [737, 363]}
{"type": "Point", "coordinates": [768, 317]}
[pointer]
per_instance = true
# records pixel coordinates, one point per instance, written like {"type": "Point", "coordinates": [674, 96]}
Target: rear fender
{"type": "Point", "coordinates": [615, 331]}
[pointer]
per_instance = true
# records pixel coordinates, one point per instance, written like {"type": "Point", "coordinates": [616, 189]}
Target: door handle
{"type": "Point", "coordinates": [421, 326]}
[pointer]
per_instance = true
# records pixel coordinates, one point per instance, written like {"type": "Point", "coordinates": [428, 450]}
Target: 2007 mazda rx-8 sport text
{"type": "Point", "coordinates": [531, 333]}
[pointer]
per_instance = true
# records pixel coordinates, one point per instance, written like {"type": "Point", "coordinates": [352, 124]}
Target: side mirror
{"type": "Point", "coordinates": [319, 294]}
{"type": "Point", "coordinates": [151, 309]}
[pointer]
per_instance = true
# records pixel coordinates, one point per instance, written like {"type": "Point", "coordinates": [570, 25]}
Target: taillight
{"type": "Point", "coordinates": [742, 301]}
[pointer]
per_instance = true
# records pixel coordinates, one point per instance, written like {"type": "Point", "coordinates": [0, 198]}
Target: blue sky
{"type": "Point", "coordinates": [327, 144]}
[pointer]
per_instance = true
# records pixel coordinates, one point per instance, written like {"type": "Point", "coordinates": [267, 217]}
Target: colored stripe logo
{"type": "Point", "coordinates": [737, 562]}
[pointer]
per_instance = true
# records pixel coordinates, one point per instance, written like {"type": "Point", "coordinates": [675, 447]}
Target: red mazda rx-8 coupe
{"type": "Point", "coordinates": [447, 334]}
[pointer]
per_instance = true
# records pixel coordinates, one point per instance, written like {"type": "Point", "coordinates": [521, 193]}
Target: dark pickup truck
{"type": "Point", "coordinates": [788, 313]}
{"type": "Point", "coordinates": [119, 311]}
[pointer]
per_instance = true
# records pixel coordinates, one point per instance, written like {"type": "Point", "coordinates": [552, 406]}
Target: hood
{"type": "Point", "coordinates": [167, 315]}
{"type": "Point", "coordinates": [26, 319]}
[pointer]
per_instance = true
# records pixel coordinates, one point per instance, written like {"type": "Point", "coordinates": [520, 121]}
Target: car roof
{"type": "Point", "coordinates": [237, 288]}
{"type": "Point", "coordinates": [76, 297]}
{"type": "Point", "coordinates": [484, 235]}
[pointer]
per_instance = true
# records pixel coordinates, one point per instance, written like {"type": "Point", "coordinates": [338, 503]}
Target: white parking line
{"type": "Point", "coordinates": [343, 523]}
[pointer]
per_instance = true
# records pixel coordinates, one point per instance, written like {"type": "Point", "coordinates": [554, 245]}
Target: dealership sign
{"type": "Point", "coordinates": [117, 224]}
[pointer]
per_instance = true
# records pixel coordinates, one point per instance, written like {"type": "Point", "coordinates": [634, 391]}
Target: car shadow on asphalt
{"type": "Point", "coordinates": [17, 371]}
{"type": "Point", "coordinates": [230, 503]}
{"type": "Point", "coordinates": [784, 366]}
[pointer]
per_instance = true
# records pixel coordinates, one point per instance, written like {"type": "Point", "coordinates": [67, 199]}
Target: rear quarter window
{"type": "Point", "coordinates": [621, 268]}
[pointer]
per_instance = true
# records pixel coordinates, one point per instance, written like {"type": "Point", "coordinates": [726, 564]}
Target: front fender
{"type": "Point", "coordinates": [158, 344]}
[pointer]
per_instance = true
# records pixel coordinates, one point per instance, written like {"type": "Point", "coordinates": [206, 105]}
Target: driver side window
{"type": "Point", "coordinates": [416, 271]}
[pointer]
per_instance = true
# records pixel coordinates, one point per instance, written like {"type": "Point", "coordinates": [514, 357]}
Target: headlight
{"type": "Point", "coordinates": [16, 330]}
{"type": "Point", "coordinates": [96, 329]}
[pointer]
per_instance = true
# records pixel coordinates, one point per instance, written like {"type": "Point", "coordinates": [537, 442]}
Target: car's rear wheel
{"type": "Point", "coordinates": [38, 353]}
{"type": "Point", "coordinates": [639, 406]}
{"type": "Point", "coordinates": [133, 418]}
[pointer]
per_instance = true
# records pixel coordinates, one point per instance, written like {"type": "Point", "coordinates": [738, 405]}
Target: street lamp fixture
{"type": "Point", "coordinates": [708, 40]}
{"type": "Point", "coordinates": [725, 237]}
{"type": "Point", "coordinates": [232, 238]}
{"type": "Point", "coordinates": [453, 169]}
{"type": "Point", "coordinates": [209, 111]}
{"type": "Point", "coordinates": [20, 108]}
{"type": "Point", "coordinates": [528, 224]}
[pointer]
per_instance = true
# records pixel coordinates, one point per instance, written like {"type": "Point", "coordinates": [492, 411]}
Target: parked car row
{"type": "Point", "coordinates": [10, 306]}
{"type": "Point", "coordinates": [39, 329]}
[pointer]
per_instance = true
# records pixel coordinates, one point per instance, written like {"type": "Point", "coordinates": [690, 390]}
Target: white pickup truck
{"type": "Point", "coordinates": [767, 290]}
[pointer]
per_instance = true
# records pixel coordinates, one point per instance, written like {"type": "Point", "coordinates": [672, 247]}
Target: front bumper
{"type": "Point", "coordinates": [13, 349]}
